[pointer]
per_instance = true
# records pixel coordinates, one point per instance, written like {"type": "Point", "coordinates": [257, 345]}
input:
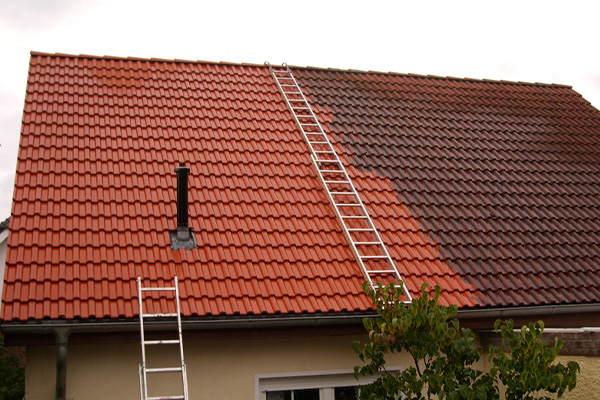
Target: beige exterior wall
{"type": "Point", "coordinates": [217, 369]}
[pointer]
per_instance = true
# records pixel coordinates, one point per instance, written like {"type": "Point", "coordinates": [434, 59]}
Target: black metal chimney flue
{"type": "Point", "coordinates": [183, 231]}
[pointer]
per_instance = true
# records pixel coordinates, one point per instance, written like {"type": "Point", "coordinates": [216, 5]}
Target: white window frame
{"type": "Point", "coordinates": [325, 381]}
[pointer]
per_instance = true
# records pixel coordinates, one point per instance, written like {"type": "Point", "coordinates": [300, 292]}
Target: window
{"type": "Point", "coordinates": [320, 385]}
{"type": "Point", "coordinates": [334, 393]}
{"type": "Point", "coordinates": [346, 393]}
{"type": "Point", "coordinates": [300, 394]}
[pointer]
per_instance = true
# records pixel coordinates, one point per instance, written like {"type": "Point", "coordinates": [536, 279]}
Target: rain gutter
{"type": "Point", "coordinates": [229, 322]}
{"type": "Point", "coordinates": [539, 311]}
{"type": "Point", "coordinates": [269, 321]}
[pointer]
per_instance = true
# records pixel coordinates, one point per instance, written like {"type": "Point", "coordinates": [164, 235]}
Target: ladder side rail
{"type": "Point", "coordinates": [141, 382]}
{"type": "Point", "coordinates": [342, 170]}
{"type": "Point", "coordinates": [183, 367]}
{"type": "Point", "coordinates": [371, 224]}
{"type": "Point", "coordinates": [375, 232]}
{"type": "Point", "coordinates": [372, 229]}
{"type": "Point", "coordinates": [387, 254]}
{"type": "Point", "coordinates": [365, 212]}
{"type": "Point", "coordinates": [142, 368]}
{"type": "Point", "coordinates": [340, 219]}
{"type": "Point", "coordinates": [308, 108]}
{"type": "Point", "coordinates": [314, 156]}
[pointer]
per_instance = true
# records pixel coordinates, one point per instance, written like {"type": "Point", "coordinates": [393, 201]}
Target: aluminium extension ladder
{"type": "Point", "coordinates": [144, 370]}
{"type": "Point", "coordinates": [365, 241]}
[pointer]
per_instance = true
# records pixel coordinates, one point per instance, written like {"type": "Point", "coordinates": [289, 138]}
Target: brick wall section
{"type": "Point", "coordinates": [576, 343]}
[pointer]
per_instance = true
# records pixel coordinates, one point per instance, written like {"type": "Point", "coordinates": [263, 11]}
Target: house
{"type": "Point", "coordinates": [3, 248]}
{"type": "Point", "coordinates": [489, 189]}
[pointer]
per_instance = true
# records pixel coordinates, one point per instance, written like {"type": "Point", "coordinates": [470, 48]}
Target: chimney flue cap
{"type": "Point", "coordinates": [182, 168]}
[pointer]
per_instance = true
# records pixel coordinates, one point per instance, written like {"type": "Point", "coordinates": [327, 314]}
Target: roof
{"type": "Point", "coordinates": [489, 189]}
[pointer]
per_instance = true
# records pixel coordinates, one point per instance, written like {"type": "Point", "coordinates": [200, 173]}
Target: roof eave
{"type": "Point", "coordinates": [557, 315]}
{"type": "Point", "coordinates": [189, 324]}
{"type": "Point", "coordinates": [477, 318]}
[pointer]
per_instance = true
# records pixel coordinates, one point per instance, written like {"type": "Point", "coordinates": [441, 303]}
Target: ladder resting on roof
{"type": "Point", "coordinates": [365, 241]}
{"type": "Point", "coordinates": [144, 370]}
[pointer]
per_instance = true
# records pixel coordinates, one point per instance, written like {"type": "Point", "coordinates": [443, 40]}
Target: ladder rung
{"type": "Point", "coordinates": [324, 152]}
{"type": "Point", "coordinates": [165, 315]}
{"type": "Point", "coordinates": [180, 397]}
{"type": "Point", "coordinates": [318, 142]}
{"type": "Point", "coordinates": [166, 369]}
{"type": "Point", "coordinates": [157, 289]}
{"type": "Point", "coordinates": [382, 271]}
{"type": "Point", "coordinates": [366, 243]}
{"type": "Point", "coordinates": [353, 216]}
{"type": "Point", "coordinates": [331, 171]}
{"type": "Point", "coordinates": [297, 100]}
{"type": "Point", "coordinates": [343, 193]}
{"type": "Point", "coordinates": [287, 85]}
{"type": "Point", "coordinates": [303, 124]}
{"type": "Point", "coordinates": [315, 133]}
{"type": "Point", "coordinates": [327, 161]}
{"type": "Point", "coordinates": [360, 229]}
{"type": "Point", "coordinates": [373, 257]}
{"type": "Point", "coordinates": [301, 108]}
{"type": "Point", "coordinates": [152, 342]}
{"type": "Point", "coordinates": [337, 182]}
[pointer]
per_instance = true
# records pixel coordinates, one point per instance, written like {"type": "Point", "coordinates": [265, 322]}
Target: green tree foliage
{"type": "Point", "coordinates": [528, 367]}
{"type": "Point", "coordinates": [12, 372]}
{"type": "Point", "coordinates": [444, 354]}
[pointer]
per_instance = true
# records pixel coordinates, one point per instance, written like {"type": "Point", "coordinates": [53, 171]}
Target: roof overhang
{"type": "Point", "coordinates": [554, 316]}
{"type": "Point", "coordinates": [29, 332]}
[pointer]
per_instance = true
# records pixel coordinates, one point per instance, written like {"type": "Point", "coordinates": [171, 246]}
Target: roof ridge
{"type": "Point", "coordinates": [176, 60]}
{"type": "Point", "coordinates": [439, 77]}
{"type": "Point", "coordinates": [143, 59]}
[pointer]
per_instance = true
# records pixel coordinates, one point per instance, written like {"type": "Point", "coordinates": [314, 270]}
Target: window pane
{"type": "Point", "coordinates": [306, 394]}
{"type": "Point", "coordinates": [280, 395]}
{"type": "Point", "coordinates": [346, 393]}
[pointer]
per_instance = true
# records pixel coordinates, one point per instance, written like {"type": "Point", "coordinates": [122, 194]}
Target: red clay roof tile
{"type": "Point", "coordinates": [481, 187]}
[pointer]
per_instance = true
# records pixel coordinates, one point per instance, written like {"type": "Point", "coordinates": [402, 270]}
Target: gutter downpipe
{"type": "Point", "coordinates": [61, 336]}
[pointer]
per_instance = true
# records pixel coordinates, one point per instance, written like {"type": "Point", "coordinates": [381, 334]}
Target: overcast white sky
{"type": "Point", "coordinates": [535, 41]}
